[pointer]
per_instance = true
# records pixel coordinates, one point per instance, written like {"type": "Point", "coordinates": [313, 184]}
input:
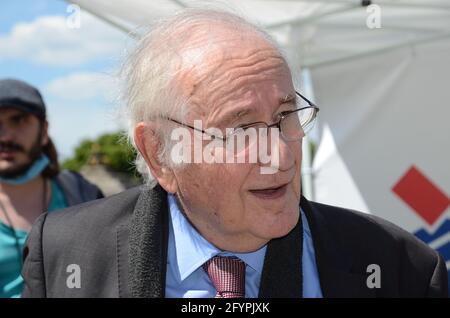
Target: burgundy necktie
{"type": "Point", "coordinates": [227, 275]}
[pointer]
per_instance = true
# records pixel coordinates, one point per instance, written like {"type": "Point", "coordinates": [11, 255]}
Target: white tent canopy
{"type": "Point", "coordinates": [318, 31]}
{"type": "Point", "coordinates": [384, 95]}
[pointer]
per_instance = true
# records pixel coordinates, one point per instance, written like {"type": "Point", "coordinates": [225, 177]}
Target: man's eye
{"type": "Point", "coordinates": [285, 109]}
{"type": "Point", "coordinates": [285, 112]}
{"type": "Point", "coordinates": [241, 127]}
{"type": "Point", "coordinates": [18, 119]}
{"type": "Point", "coordinates": [281, 114]}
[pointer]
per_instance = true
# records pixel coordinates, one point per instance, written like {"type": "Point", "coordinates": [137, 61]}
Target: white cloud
{"type": "Point", "coordinates": [83, 86]}
{"type": "Point", "coordinates": [80, 105]}
{"type": "Point", "coordinates": [49, 40]}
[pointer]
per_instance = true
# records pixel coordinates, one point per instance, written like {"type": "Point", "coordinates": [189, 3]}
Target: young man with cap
{"type": "Point", "coordinates": [30, 179]}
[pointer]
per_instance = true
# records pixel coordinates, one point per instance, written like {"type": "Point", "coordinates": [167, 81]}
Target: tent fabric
{"type": "Point", "coordinates": [313, 32]}
{"type": "Point", "coordinates": [385, 117]}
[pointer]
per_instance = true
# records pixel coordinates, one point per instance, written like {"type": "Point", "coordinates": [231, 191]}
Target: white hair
{"type": "Point", "coordinates": [150, 88]}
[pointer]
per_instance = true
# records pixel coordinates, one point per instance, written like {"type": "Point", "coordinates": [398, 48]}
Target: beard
{"type": "Point", "coordinates": [32, 154]}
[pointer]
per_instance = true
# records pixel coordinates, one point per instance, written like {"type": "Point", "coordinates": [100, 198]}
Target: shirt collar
{"type": "Point", "coordinates": [187, 238]}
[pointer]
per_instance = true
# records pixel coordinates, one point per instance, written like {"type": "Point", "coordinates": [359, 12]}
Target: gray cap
{"type": "Point", "coordinates": [20, 95]}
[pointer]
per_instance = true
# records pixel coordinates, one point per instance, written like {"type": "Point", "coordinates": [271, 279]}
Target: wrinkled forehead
{"type": "Point", "coordinates": [208, 48]}
{"type": "Point", "coordinates": [224, 57]}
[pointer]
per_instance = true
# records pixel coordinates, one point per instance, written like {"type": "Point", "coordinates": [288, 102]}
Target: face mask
{"type": "Point", "coordinates": [36, 168]}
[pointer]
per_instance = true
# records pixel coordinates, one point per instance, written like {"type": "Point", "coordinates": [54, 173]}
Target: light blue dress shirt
{"type": "Point", "coordinates": [188, 250]}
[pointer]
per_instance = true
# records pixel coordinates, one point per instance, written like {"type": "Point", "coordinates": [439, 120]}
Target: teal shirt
{"type": "Point", "coordinates": [11, 281]}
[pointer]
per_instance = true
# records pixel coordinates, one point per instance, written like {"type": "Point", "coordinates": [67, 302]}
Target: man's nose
{"type": "Point", "coordinates": [5, 133]}
{"type": "Point", "coordinates": [281, 153]}
{"type": "Point", "coordinates": [287, 154]}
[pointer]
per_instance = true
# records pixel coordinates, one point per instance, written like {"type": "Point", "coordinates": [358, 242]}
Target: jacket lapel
{"type": "Point", "coordinates": [334, 261]}
{"type": "Point", "coordinates": [148, 236]}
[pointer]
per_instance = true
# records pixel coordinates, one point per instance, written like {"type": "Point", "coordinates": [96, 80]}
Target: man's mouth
{"type": "Point", "coordinates": [7, 153]}
{"type": "Point", "coordinates": [270, 193]}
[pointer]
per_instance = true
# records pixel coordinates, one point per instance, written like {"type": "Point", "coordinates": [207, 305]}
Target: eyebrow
{"type": "Point", "coordinates": [18, 115]}
{"type": "Point", "coordinates": [242, 112]}
{"type": "Point", "coordinates": [288, 99]}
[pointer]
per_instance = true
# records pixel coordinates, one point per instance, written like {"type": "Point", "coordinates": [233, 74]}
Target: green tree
{"type": "Point", "coordinates": [111, 150]}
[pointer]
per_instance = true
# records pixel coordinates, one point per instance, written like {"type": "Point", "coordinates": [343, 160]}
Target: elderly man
{"type": "Point", "coordinates": [218, 224]}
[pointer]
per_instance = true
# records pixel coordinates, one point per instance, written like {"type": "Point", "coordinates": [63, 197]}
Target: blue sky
{"type": "Point", "coordinates": [74, 68]}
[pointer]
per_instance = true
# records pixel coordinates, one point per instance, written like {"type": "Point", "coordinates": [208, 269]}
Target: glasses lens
{"type": "Point", "coordinates": [308, 118]}
{"type": "Point", "coordinates": [291, 127]}
{"type": "Point", "coordinates": [295, 125]}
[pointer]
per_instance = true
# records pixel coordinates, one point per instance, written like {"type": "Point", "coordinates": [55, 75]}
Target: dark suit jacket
{"type": "Point", "coordinates": [120, 246]}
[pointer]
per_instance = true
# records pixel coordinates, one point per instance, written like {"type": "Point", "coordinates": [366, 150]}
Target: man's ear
{"type": "Point", "coordinates": [148, 143]}
{"type": "Point", "coordinates": [44, 133]}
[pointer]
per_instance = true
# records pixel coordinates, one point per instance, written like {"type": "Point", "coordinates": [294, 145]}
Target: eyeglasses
{"type": "Point", "coordinates": [292, 124]}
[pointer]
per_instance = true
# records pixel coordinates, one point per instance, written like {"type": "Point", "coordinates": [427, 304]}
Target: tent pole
{"type": "Point", "coordinates": [384, 3]}
{"type": "Point", "coordinates": [107, 20]}
{"type": "Point", "coordinates": [180, 3]}
{"type": "Point", "coordinates": [378, 51]}
{"type": "Point", "coordinates": [394, 28]}
{"type": "Point", "coordinates": [307, 156]}
{"type": "Point", "coordinates": [312, 18]}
